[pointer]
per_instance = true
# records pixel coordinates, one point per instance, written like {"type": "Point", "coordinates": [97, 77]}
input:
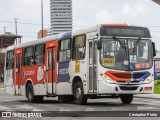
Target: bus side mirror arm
{"type": "Point", "coordinates": [99, 44]}
{"type": "Point", "coordinates": [154, 49]}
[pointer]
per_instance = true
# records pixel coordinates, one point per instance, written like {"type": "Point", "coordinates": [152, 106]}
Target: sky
{"type": "Point", "coordinates": [85, 13]}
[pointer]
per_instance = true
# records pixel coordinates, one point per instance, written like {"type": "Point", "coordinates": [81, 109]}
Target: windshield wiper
{"type": "Point", "coordinates": [122, 44]}
{"type": "Point", "coordinates": [135, 45]}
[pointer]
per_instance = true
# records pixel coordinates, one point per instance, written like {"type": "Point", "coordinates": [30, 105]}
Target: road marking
{"type": "Point", "coordinates": [26, 106]}
{"type": "Point", "coordinates": [8, 100]}
{"type": "Point", "coordinates": [146, 108]}
{"type": "Point", "coordinates": [4, 108]}
{"type": "Point", "coordinates": [89, 109]}
{"type": "Point", "coordinates": [37, 110]}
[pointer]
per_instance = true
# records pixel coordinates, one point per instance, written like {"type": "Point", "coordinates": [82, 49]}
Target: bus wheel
{"type": "Point", "coordinates": [39, 99]}
{"type": "Point", "coordinates": [31, 97]}
{"type": "Point", "coordinates": [80, 98]}
{"type": "Point", "coordinates": [126, 98]}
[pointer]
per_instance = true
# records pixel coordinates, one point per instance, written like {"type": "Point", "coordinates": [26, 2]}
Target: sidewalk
{"type": "Point", "coordinates": [1, 85]}
{"type": "Point", "coordinates": [151, 96]}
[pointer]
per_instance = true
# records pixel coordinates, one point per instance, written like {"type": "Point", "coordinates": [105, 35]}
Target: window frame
{"type": "Point", "coordinates": [65, 50]}
{"type": "Point", "coordinates": [33, 55]}
{"type": "Point", "coordinates": [74, 48]}
{"type": "Point", "coordinates": [9, 60]}
{"type": "Point", "coordinates": [44, 50]}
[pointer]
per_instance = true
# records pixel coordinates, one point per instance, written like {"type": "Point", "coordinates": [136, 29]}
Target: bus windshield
{"type": "Point", "coordinates": [126, 54]}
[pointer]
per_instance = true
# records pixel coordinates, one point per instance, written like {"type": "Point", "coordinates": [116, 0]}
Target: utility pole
{"type": "Point", "coordinates": [16, 28]}
{"type": "Point", "coordinates": [16, 25]}
{"type": "Point", "coordinates": [4, 29]}
{"type": "Point", "coordinates": [42, 15]}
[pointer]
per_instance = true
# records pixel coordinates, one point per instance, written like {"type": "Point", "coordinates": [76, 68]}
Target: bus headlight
{"type": "Point", "coordinates": [108, 79]}
{"type": "Point", "coordinates": [148, 79]}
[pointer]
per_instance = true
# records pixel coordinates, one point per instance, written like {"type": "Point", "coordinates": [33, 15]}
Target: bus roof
{"type": "Point", "coordinates": [118, 25]}
{"type": "Point", "coordinates": [66, 35]}
{"type": "Point", "coordinates": [95, 28]}
{"type": "Point", "coordinates": [39, 41]}
{"type": "Point", "coordinates": [10, 48]}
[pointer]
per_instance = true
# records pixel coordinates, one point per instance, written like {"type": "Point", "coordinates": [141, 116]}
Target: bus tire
{"type": "Point", "coordinates": [126, 98]}
{"type": "Point", "coordinates": [79, 96]}
{"type": "Point", "coordinates": [30, 95]}
{"type": "Point", "coordinates": [39, 99]}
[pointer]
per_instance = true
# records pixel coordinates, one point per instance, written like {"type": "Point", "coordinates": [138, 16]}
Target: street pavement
{"type": "Point", "coordinates": [151, 96]}
{"type": "Point", "coordinates": [20, 103]}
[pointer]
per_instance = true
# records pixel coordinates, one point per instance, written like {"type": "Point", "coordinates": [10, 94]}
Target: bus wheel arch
{"type": "Point", "coordinates": [27, 83]}
{"type": "Point", "coordinates": [30, 94]}
{"type": "Point", "coordinates": [78, 91]}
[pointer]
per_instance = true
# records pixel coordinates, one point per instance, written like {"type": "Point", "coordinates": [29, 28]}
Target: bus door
{"type": "Point", "coordinates": [92, 66]}
{"type": "Point", "coordinates": [51, 70]}
{"type": "Point", "coordinates": [17, 71]}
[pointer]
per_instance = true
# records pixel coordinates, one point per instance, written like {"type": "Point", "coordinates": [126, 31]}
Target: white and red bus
{"type": "Point", "coordinates": [107, 60]}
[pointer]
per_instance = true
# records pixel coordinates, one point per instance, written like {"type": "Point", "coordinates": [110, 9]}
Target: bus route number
{"type": "Point", "coordinates": [108, 61]}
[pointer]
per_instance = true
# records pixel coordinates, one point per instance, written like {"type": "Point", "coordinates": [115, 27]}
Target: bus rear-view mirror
{"type": "Point", "coordinates": [99, 44]}
{"type": "Point", "coordinates": [154, 49]}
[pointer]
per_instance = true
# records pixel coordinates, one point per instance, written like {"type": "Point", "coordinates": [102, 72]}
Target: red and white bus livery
{"type": "Point", "coordinates": [107, 60]}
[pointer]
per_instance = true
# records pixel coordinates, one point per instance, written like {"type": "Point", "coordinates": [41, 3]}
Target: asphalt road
{"type": "Point", "coordinates": [20, 103]}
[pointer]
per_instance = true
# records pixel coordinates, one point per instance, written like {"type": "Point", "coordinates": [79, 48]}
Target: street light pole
{"type": "Point", "coordinates": [16, 28]}
{"type": "Point", "coordinates": [4, 29]}
{"type": "Point", "coordinates": [42, 15]}
{"type": "Point", "coordinates": [16, 24]}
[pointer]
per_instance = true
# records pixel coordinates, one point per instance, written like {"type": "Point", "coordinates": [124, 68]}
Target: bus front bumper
{"type": "Point", "coordinates": [107, 88]}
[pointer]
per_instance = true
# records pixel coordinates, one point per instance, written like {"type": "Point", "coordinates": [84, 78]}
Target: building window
{"type": "Point", "coordinates": [29, 56]}
{"type": "Point", "coordinates": [64, 50]}
{"type": "Point", "coordinates": [78, 47]}
{"type": "Point", "coordinates": [10, 60]}
{"type": "Point", "coordinates": [39, 54]}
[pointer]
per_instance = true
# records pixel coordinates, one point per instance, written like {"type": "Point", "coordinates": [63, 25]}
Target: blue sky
{"type": "Point", "coordinates": [85, 13]}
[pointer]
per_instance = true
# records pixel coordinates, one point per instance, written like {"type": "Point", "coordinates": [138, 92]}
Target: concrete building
{"type": "Point", "coordinates": [39, 34]}
{"type": "Point", "coordinates": [61, 16]}
{"type": "Point", "coordinates": [46, 32]}
{"type": "Point", "coordinates": [6, 40]}
{"type": "Point", "coordinates": [157, 1]}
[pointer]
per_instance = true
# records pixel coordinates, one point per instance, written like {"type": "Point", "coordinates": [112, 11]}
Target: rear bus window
{"type": "Point", "coordinates": [9, 60]}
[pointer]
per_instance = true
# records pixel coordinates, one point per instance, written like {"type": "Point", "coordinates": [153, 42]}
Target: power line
{"type": "Point", "coordinates": [152, 26]}
{"type": "Point", "coordinates": [22, 23]}
{"type": "Point", "coordinates": [34, 23]}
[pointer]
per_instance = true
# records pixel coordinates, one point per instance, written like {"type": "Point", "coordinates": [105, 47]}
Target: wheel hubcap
{"type": "Point", "coordinates": [78, 93]}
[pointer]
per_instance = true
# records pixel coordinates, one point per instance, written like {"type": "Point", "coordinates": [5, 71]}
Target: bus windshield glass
{"type": "Point", "coordinates": [126, 54]}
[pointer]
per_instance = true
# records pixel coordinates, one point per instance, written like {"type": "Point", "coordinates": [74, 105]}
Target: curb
{"type": "Point", "coordinates": [146, 97]}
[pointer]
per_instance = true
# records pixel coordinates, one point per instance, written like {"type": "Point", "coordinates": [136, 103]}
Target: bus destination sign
{"type": "Point", "coordinates": [126, 31]}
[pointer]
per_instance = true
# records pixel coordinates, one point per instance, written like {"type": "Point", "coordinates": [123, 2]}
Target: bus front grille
{"type": "Point", "coordinates": [126, 88]}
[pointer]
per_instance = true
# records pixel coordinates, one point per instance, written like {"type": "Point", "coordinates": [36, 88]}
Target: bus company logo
{"type": "Point", "coordinates": [63, 71]}
{"type": "Point", "coordinates": [23, 74]}
{"type": "Point", "coordinates": [27, 73]}
{"type": "Point", "coordinates": [128, 81]}
{"type": "Point", "coordinates": [40, 73]}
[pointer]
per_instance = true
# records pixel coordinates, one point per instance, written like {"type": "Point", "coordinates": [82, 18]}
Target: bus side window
{"type": "Point", "coordinates": [28, 56]}
{"type": "Point", "coordinates": [39, 54]}
{"type": "Point", "coordinates": [64, 50]}
{"type": "Point", "coordinates": [78, 47]}
{"type": "Point", "coordinates": [9, 60]}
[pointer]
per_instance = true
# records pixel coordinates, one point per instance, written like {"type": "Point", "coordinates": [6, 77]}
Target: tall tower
{"type": "Point", "coordinates": [61, 16]}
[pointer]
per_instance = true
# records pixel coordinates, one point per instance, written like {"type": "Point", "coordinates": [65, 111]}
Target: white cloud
{"type": "Point", "coordinates": [104, 17]}
{"type": "Point", "coordinates": [133, 11]}
{"type": "Point", "coordinates": [85, 13]}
